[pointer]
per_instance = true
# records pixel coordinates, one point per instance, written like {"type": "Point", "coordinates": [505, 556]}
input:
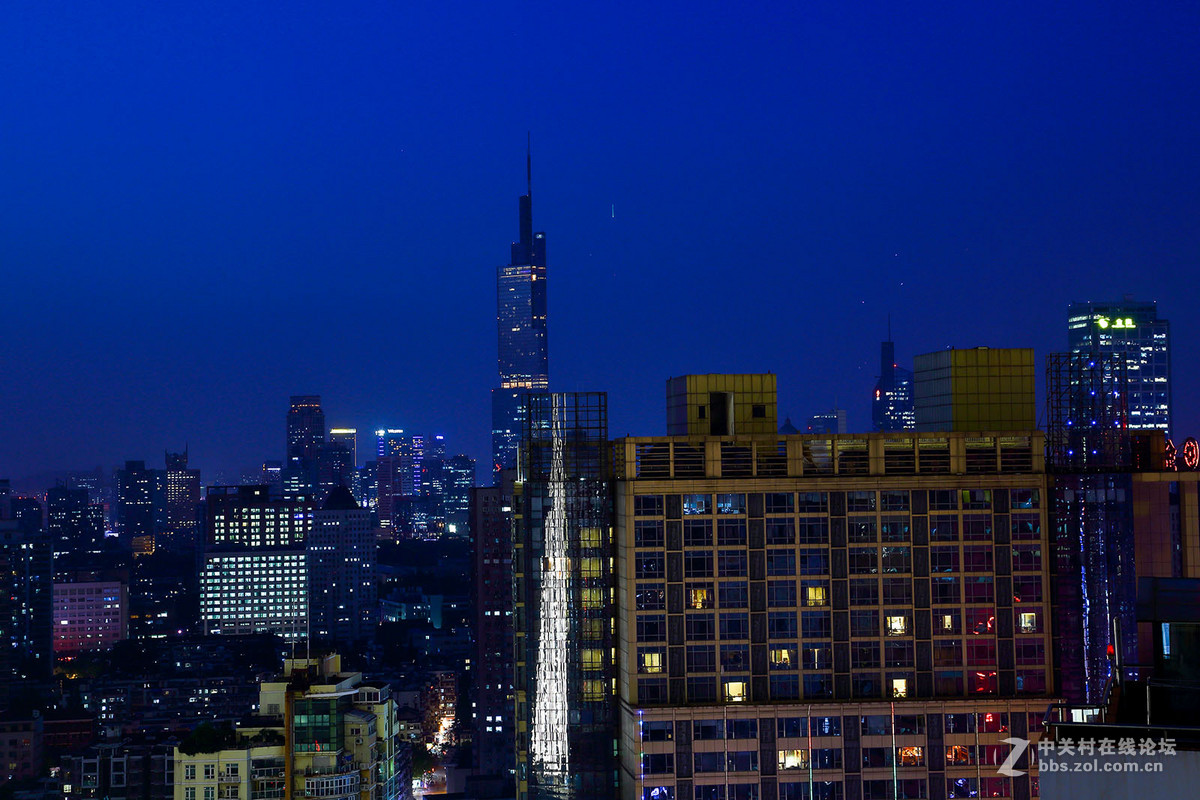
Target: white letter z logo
{"type": "Point", "coordinates": [1018, 747]}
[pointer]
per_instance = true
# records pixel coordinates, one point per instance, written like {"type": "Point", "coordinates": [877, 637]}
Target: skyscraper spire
{"type": "Point", "coordinates": [529, 164]}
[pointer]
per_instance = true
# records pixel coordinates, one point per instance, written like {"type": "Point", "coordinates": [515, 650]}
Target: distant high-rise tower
{"type": "Point", "coordinates": [305, 441]}
{"type": "Point", "coordinates": [1130, 328]}
{"type": "Point", "coordinates": [141, 505]}
{"type": "Point", "coordinates": [183, 500]}
{"type": "Point", "coordinates": [521, 333]}
{"type": "Point", "coordinates": [305, 427]}
{"type": "Point", "coordinates": [892, 405]}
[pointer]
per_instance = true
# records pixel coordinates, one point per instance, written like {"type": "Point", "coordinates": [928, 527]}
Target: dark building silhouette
{"type": "Point", "coordinates": [892, 403]}
{"type": "Point", "coordinates": [494, 728]}
{"type": "Point", "coordinates": [141, 505]}
{"type": "Point", "coordinates": [343, 608]}
{"type": "Point", "coordinates": [521, 333]}
{"type": "Point", "coordinates": [305, 439]}
{"type": "Point", "coordinates": [72, 523]}
{"type": "Point", "coordinates": [25, 594]}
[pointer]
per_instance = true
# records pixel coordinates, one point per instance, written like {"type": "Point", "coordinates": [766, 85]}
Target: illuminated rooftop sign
{"type": "Point", "coordinates": [1119, 323]}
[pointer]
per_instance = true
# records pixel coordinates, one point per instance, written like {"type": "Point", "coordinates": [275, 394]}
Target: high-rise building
{"type": "Point", "coordinates": [342, 607]}
{"type": "Point", "coordinates": [562, 578]}
{"type": "Point", "coordinates": [319, 733]}
{"type": "Point", "coordinates": [980, 389]}
{"type": "Point", "coordinates": [305, 427]}
{"type": "Point", "coordinates": [183, 501]}
{"type": "Point", "coordinates": [305, 440]}
{"type": "Point", "coordinates": [796, 621]}
{"type": "Point", "coordinates": [255, 574]}
{"type": "Point", "coordinates": [26, 558]}
{"type": "Point", "coordinates": [494, 704]}
{"type": "Point", "coordinates": [348, 439]}
{"type": "Point", "coordinates": [141, 506]}
{"type": "Point", "coordinates": [521, 333]}
{"type": "Point", "coordinates": [892, 404]}
{"type": "Point", "coordinates": [73, 524]}
{"type": "Point", "coordinates": [459, 480]}
{"type": "Point", "coordinates": [1133, 329]}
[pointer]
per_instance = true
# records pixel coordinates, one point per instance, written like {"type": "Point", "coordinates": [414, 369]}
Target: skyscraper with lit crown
{"type": "Point", "coordinates": [521, 333]}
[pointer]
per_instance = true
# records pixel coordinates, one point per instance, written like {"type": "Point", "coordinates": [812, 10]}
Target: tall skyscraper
{"type": "Point", "coordinates": [892, 404]}
{"type": "Point", "coordinates": [183, 500]}
{"type": "Point", "coordinates": [141, 505]}
{"type": "Point", "coordinates": [348, 439]}
{"type": "Point", "coordinates": [305, 441]}
{"type": "Point", "coordinates": [1132, 329]}
{"type": "Point", "coordinates": [562, 588]}
{"type": "Point", "coordinates": [521, 333]}
{"type": "Point", "coordinates": [494, 703]}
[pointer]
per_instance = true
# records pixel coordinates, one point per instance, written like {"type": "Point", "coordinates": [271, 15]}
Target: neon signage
{"type": "Point", "coordinates": [1120, 323]}
{"type": "Point", "coordinates": [1186, 458]}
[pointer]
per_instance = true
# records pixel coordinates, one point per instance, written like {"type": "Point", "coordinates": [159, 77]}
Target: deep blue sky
{"type": "Point", "coordinates": [210, 206]}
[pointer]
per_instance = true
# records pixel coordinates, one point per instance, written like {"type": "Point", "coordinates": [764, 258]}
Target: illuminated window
{"type": "Point", "coordinates": [592, 598]}
{"type": "Point", "coordinates": [911, 756]}
{"type": "Point", "coordinates": [650, 661]}
{"type": "Point", "coordinates": [593, 691]}
{"type": "Point", "coordinates": [1027, 622]}
{"type": "Point", "coordinates": [948, 623]}
{"type": "Point", "coordinates": [700, 597]}
{"type": "Point", "coordinates": [958, 755]}
{"type": "Point", "coordinates": [592, 659]}
{"type": "Point", "coordinates": [781, 658]}
{"type": "Point", "coordinates": [793, 759]}
{"type": "Point", "coordinates": [735, 691]}
{"type": "Point", "coordinates": [900, 687]}
{"type": "Point", "coordinates": [814, 595]}
{"type": "Point", "coordinates": [897, 626]}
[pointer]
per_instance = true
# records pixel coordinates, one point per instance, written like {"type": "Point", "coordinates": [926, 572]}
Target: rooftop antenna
{"type": "Point", "coordinates": [529, 163]}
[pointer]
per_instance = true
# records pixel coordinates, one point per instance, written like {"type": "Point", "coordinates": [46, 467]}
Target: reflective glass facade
{"type": "Point", "coordinates": [564, 639]}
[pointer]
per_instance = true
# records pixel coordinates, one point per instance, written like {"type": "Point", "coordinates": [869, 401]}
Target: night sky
{"type": "Point", "coordinates": [208, 207]}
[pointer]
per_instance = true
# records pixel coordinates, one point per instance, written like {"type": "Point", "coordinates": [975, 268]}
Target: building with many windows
{"type": "Point", "coordinates": [255, 573]}
{"type": "Point", "coordinates": [90, 615]}
{"type": "Point", "coordinates": [562, 562]}
{"type": "Point", "coordinates": [828, 616]}
{"type": "Point", "coordinates": [343, 606]}
{"type": "Point", "coordinates": [789, 616]}
{"type": "Point", "coordinates": [1132, 329]}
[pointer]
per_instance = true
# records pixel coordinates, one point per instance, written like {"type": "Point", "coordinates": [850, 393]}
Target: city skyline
{"type": "Point", "coordinates": [193, 202]}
